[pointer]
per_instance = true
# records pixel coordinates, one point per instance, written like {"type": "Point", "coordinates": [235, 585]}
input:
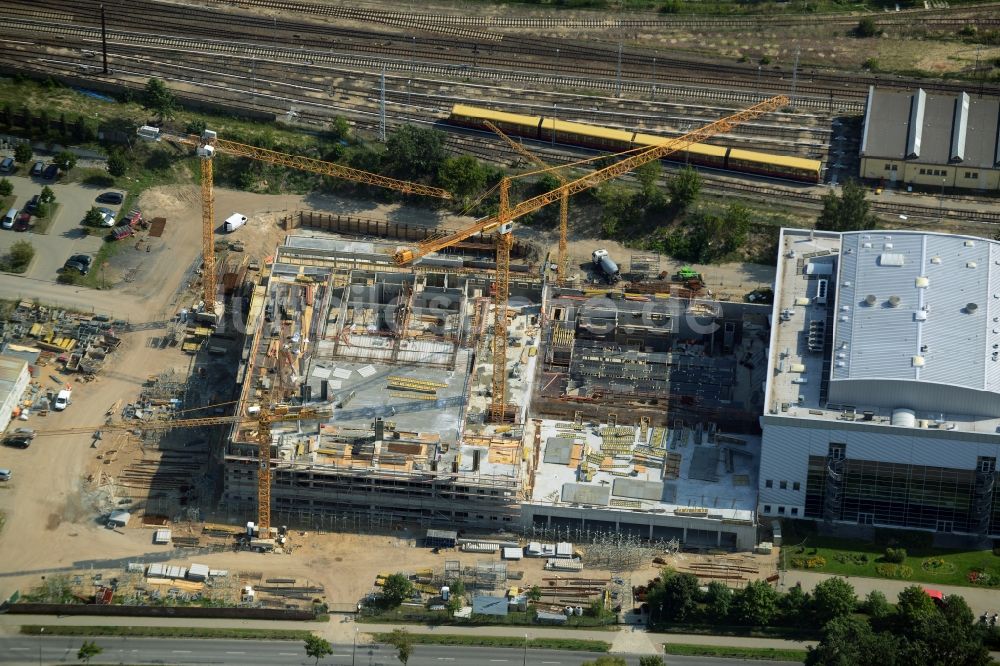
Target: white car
{"type": "Point", "coordinates": [107, 220]}
{"type": "Point", "coordinates": [62, 400]}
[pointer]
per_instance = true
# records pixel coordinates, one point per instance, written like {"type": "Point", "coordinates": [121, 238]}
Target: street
{"type": "Point", "coordinates": [57, 650]}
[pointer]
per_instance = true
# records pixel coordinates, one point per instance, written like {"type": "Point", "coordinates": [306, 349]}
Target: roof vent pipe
{"type": "Point", "coordinates": [894, 301]}
{"type": "Point", "coordinates": [870, 299]}
{"type": "Point", "coordinates": [971, 308]}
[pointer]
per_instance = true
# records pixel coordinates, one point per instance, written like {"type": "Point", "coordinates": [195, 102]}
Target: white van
{"type": "Point", "coordinates": [8, 219]}
{"type": "Point", "coordinates": [234, 222]}
{"type": "Point", "coordinates": [62, 400]}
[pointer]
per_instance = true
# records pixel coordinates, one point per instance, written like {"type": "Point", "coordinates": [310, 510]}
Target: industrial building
{"type": "Point", "coordinates": [883, 391]}
{"type": "Point", "coordinates": [931, 140]}
{"type": "Point", "coordinates": [14, 378]}
{"type": "Point", "coordinates": [634, 416]}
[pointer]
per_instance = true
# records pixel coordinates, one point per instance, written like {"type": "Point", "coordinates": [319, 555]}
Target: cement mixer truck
{"type": "Point", "coordinates": [606, 266]}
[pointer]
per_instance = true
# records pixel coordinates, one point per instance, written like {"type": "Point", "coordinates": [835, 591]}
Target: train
{"type": "Point", "coordinates": [616, 141]}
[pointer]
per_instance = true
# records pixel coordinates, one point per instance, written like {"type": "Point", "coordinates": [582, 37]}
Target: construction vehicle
{"type": "Point", "coordinates": [503, 224]}
{"type": "Point", "coordinates": [206, 146]}
{"type": "Point", "coordinates": [607, 266]}
{"type": "Point", "coordinates": [685, 273]}
{"type": "Point", "coordinates": [262, 417]}
{"type": "Point", "coordinates": [562, 266]}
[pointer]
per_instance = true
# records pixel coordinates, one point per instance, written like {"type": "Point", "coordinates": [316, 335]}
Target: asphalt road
{"type": "Point", "coordinates": [62, 650]}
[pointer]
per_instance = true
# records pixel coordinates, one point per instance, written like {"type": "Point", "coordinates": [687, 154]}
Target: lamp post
{"type": "Point", "coordinates": [525, 661]}
{"type": "Point", "coordinates": [40, 632]}
{"type": "Point", "coordinates": [354, 650]}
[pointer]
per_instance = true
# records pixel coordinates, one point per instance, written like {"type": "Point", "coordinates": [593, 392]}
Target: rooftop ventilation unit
{"type": "Point", "coordinates": [971, 308]}
{"type": "Point", "coordinates": [871, 299]}
{"type": "Point", "coordinates": [918, 361]}
{"type": "Point", "coordinates": [935, 260]}
{"type": "Point", "coordinates": [969, 243]}
{"type": "Point", "coordinates": [921, 282]}
{"type": "Point", "coordinates": [894, 301]}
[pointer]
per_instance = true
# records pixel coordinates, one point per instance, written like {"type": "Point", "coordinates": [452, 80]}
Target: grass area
{"type": "Point", "coordinates": [790, 633]}
{"type": "Point", "coordinates": [414, 615]}
{"type": "Point", "coordinates": [6, 203]}
{"type": "Point", "coordinates": [506, 641]}
{"type": "Point", "coordinates": [923, 564]}
{"type": "Point", "coordinates": [165, 632]}
{"type": "Point", "coordinates": [42, 224]}
{"type": "Point", "coordinates": [735, 652]}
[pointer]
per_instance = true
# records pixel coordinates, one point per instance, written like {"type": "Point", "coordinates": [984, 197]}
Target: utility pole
{"type": "Point", "coordinates": [104, 40]}
{"type": "Point", "coordinates": [795, 75]}
{"type": "Point", "coordinates": [979, 50]}
{"type": "Point", "coordinates": [381, 107]}
{"type": "Point", "coordinates": [618, 74]}
{"type": "Point", "coordinates": [553, 137]}
{"type": "Point", "coordinates": [653, 96]}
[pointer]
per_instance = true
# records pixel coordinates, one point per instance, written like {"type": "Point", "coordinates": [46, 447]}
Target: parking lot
{"type": "Point", "coordinates": [66, 235]}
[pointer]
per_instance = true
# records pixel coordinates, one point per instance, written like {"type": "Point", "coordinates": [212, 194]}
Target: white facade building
{"type": "Point", "coordinates": [14, 378]}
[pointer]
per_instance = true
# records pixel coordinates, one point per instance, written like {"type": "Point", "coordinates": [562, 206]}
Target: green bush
{"type": "Point", "coordinates": [6, 187]}
{"type": "Point", "coordinates": [867, 28]}
{"type": "Point", "coordinates": [895, 555]}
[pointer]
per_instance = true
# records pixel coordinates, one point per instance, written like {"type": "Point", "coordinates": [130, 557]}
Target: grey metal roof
{"type": "Point", "coordinates": [487, 605]}
{"type": "Point", "coordinates": [918, 307]}
{"type": "Point", "coordinates": [932, 128]}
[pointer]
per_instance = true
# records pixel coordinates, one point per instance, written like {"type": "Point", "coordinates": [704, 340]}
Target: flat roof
{"type": "Point", "coordinates": [924, 127]}
{"type": "Point", "coordinates": [668, 470]}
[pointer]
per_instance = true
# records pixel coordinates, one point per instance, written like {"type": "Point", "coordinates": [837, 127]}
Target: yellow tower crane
{"type": "Point", "coordinates": [562, 274]}
{"type": "Point", "coordinates": [208, 144]}
{"type": "Point", "coordinates": [263, 420]}
{"type": "Point", "coordinates": [502, 225]}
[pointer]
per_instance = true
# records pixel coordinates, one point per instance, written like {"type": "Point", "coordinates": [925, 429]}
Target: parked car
{"type": "Point", "coordinates": [32, 204]}
{"type": "Point", "coordinates": [37, 168]}
{"type": "Point", "coordinates": [114, 198]}
{"type": "Point", "coordinates": [5, 474]}
{"type": "Point", "coordinates": [107, 219]}
{"type": "Point", "coordinates": [8, 220]}
{"type": "Point", "coordinates": [84, 259]}
{"type": "Point", "coordinates": [17, 441]}
{"type": "Point", "coordinates": [62, 400]}
{"type": "Point", "coordinates": [23, 222]}
{"type": "Point", "coordinates": [77, 266]}
{"type": "Point", "coordinates": [25, 432]}
{"type": "Point", "coordinates": [7, 164]}
{"type": "Point", "coordinates": [50, 173]}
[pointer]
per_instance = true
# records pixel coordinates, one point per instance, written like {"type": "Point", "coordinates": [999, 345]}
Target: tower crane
{"type": "Point", "coordinates": [268, 415]}
{"type": "Point", "coordinates": [519, 148]}
{"type": "Point", "coordinates": [503, 222]}
{"type": "Point", "coordinates": [208, 144]}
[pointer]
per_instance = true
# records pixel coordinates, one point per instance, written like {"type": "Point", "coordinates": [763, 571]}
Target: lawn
{"type": "Point", "coordinates": [734, 652]}
{"type": "Point", "coordinates": [172, 632]}
{"type": "Point", "coordinates": [506, 641]}
{"type": "Point", "coordinates": [923, 564]}
{"type": "Point", "coordinates": [420, 615]}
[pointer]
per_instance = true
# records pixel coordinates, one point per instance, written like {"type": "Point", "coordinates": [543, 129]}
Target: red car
{"type": "Point", "coordinates": [23, 222]}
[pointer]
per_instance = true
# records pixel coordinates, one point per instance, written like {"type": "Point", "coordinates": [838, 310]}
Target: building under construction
{"type": "Point", "coordinates": [636, 415]}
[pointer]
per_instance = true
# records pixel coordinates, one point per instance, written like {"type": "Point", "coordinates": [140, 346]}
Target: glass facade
{"type": "Point", "coordinates": [883, 493]}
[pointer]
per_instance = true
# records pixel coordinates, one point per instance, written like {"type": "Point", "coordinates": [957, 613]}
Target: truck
{"type": "Point", "coordinates": [62, 399]}
{"type": "Point", "coordinates": [606, 265]}
{"type": "Point", "coordinates": [234, 222]}
{"type": "Point", "coordinates": [685, 273]}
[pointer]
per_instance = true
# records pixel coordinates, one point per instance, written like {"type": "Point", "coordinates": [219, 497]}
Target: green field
{"type": "Point", "coordinates": [770, 654]}
{"type": "Point", "coordinates": [924, 564]}
{"type": "Point", "coordinates": [165, 632]}
{"type": "Point", "coordinates": [505, 641]}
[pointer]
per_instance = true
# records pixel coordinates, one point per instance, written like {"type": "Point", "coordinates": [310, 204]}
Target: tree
{"type": "Point", "coordinates": [117, 164]}
{"type": "Point", "coordinates": [93, 218]}
{"type": "Point", "coordinates": [535, 593]}
{"type": "Point", "coordinates": [651, 660]}
{"type": "Point", "coordinates": [678, 598]}
{"type": "Point", "coordinates": [196, 127]}
{"type": "Point", "coordinates": [23, 152]}
{"type": "Point", "coordinates": [849, 641]}
{"type": "Point", "coordinates": [317, 647]}
{"type": "Point", "coordinates": [648, 176]}
{"type": "Point", "coordinates": [848, 212]}
{"type": "Point", "coordinates": [414, 152]}
{"type": "Point", "coordinates": [718, 601]}
{"type": "Point", "coordinates": [755, 604]}
{"type": "Point", "coordinates": [403, 642]}
{"type": "Point", "coordinates": [833, 598]}
{"type": "Point", "coordinates": [397, 588]}
{"type": "Point", "coordinates": [6, 187]}
{"type": "Point", "coordinates": [737, 219]}
{"type": "Point", "coordinates": [683, 188]}
{"type": "Point", "coordinates": [463, 176]}
{"type": "Point", "coordinates": [794, 606]}
{"type": "Point", "coordinates": [88, 651]}
{"type": "Point", "coordinates": [65, 160]}
{"type": "Point", "coordinates": [47, 195]}
{"type": "Point", "coordinates": [914, 608]}
{"type": "Point", "coordinates": [877, 607]}
{"type": "Point", "coordinates": [158, 98]}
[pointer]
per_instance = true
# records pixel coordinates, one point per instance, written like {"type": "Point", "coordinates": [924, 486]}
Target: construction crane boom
{"type": "Point", "coordinates": [405, 256]}
{"type": "Point", "coordinates": [206, 146]}
{"type": "Point", "coordinates": [563, 202]}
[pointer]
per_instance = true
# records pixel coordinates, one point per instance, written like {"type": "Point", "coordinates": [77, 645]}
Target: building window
{"type": "Point", "coordinates": [795, 510]}
{"type": "Point", "coordinates": [781, 510]}
{"type": "Point", "coordinates": [783, 485]}
{"type": "Point", "coordinates": [767, 508]}
{"type": "Point", "coordinates": [972, 175]}
{"type": "Point", "coordinates": [795, 485]}
{"type": "Point", "coordinates": [769, 484]}
{"type": "Point", "coordinates": [895, 167]}
{"type": "Point", "coordinates": [888, 167]}
{"type": "Point", "coordinates": [837, 451]}
{"type": "Point", "coordinates": [986, 464]}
